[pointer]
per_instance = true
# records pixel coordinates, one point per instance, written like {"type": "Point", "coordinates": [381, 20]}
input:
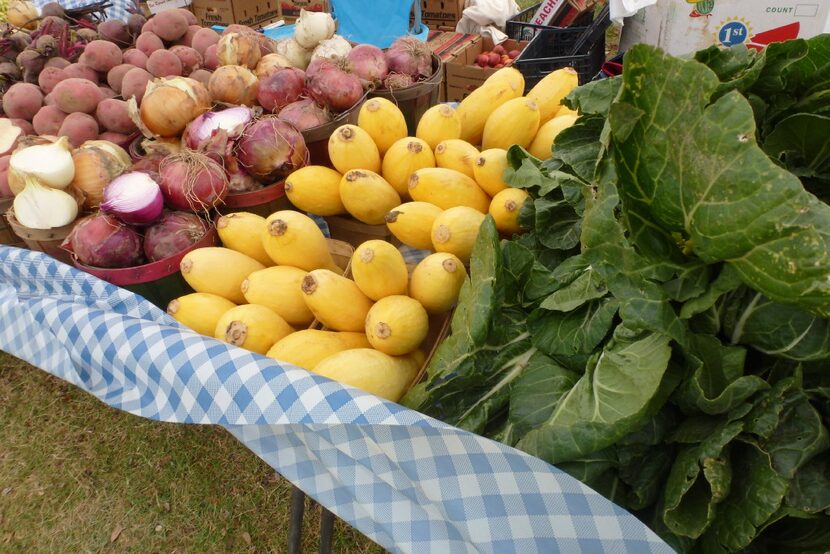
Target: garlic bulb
{"type": "Point", "coordinates": [296, 55]}
{"type": "Point", "coordinates": [40, 207]}
{"type": "Point", "coordinates": [313, 28]}
{"type": "Point", "coordinates": [334, 47]}
{"type": "Point", "coordinates": [50, 164]}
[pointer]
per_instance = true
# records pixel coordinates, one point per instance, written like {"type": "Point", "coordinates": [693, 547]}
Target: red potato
{"type": "Point", "coordinates": [513, 54]}
{"type": "Point", "coordinates": [191, 60]}
{"type": "Point", "coordinates": [101, 55]}
{"type": "Point", "coordinates": [498, 66]}
{"type": "Point", "coordinates": [498, 49]}
{"type": "Point", "coordinates": [79, 127]}
{"type": "Point", "coordinates": [49, 100]}
{"type": "Point", "coordinates": [204, 38]}
{"type": "Point", "coordinates": [27, 127]}
{"type": "Point", "coordinates": [211, 60]}
{"type": "Point", "coordinates": [236, 28]}
{"type": "Point", "coordinates": [148, 43]}
{"type": "Point", "coordinates": [112, 115]}
{"type": "Point", "coordinates": [116, 75]}
{"type": "Point", "coordinates": [164, 63]}
{"type": "Point", "coordinates": [483, 60]}
{"type": "Point", "coordinates": [5, 191]}
{"type": "Point", "coordinates": [187, 39]}
{"type": "Point", "coordinates": [201, 75]}
{"type": "Point", "coordinates": [495, 59]}
{"type": "Point", "coordinates": [22, 100]}
{"type": "Point", "coordinates": [77, 95]}
{"type": "Point", "coordinates": [78, 71]}
{"type": "Point", "coordinates": [135, 83]}
{"type": "Point", "coordinates": [48, 78]}
{"type": "Point", "coordinates": [60, 63]}
{"type": "Point", "coordinates": [147, 27]}
{"type": "Point", "coordinates": [117, 138]}
{"type": "Point", "coordinates": [188, 15]}
{"type": "Point", "coordinates": [48, 120]}
{"type": "Point", "coordinates": [136, 58]}
{"type": "Point", "coordinates": [106, 92]}
{"type": "Point", "coordinates": [115, 31]}
{"type": "Point", "coordinates": [170, 24]}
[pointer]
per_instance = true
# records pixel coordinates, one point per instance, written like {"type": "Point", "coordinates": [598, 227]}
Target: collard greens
{"type": "Point", "coordinates": [661, 331]}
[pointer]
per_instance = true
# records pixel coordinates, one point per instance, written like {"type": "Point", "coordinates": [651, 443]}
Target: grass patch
{"type": "Point", "coordinates": [74, 471]}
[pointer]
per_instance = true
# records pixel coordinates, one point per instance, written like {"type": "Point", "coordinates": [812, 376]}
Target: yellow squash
{"type": "Point", "coordinates": [292, 238]}
{"type": "Point", "coordinates": [372, 371]}
{"type": "Point", "coordinates": [411, 223]}
{"type": "Point", "coordinates": [404, 158]}
{"type": "Point", "coordinates": [309, 347]}
{"type": "Point", "coordinates": [397, 325]}
{"type": "Point", "coordinates": [455, 231]}
{"type": "Point", "coordinates": [447, 188]}
{"type": "Point", "coordinates": [315, 189]}
{"type": "Point", "coordinates": [367, 196]}
{"type": "Point", "coordinates": [241, 231]}
{"type": "Point", "coordinates": [337, 302]}
{"type": "Point", "coordinates": [379, 270]}
{"type": "Point", "coordinates": [218, 271]}
{"type": "Point", "coordinates": [474, 110]}
{"type": "Point", "coordinates": [436, 282]}
{"type": "Point", "coordinates": [383, 121]}
{"type": "Point", "coordinates": [439, 123]}
{"type": "Point", "coordinates": [510, 75]}
{"type": "Point", "coordinates": [505, 209]}
{"type": "Point", "coordinates": [200, 311]}
{"type": "Point", "coordinates": [350, 147]}
{"type": "Point", "coordinates": [278, 288]}
{"type": "Point", "coordinates": [549, 92]}
{"type": "Point", "coordinates": [489, 170]}
{"type": "Point", "coordinates": [456, 154]}
{"type": "Point", "coordinates": [514, 122]}
{"type": "Point", "coordinates": [252, 327]}
{"type": "Point", "coordinates": [542, 145]}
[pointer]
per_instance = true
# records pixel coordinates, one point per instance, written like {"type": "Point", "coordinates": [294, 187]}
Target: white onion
{"type": "Point", "coordinates": [296, 55]}
{"type": "Point", "coordinates": [335, 47]}
{"type": "Point", "coordinates": [313, 28]}
{"type": "Point", "coordinates": [39, 207]}
{"type": "Point", "coordinates": [51, 164]}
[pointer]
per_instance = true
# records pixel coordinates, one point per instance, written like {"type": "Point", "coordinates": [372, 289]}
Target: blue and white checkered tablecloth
{"type": "Point", "coordinates": [408, 482]}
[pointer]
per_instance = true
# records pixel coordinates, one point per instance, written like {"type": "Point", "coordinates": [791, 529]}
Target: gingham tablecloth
{"type": "Point", "coordinates": [409, 482]}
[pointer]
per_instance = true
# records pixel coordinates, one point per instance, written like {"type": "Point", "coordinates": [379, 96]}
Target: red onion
{"type": "Point", "coordinates": [304, 114]}
{"type": "Point", "coordinates": [134, 198]}
{"type": "Point", "coordinates": [174, 233]}
{"type": "Point", "coordinates": [368, 63]}
{"type": "Point", "coordinates": [271, 148]}
{"type": "Point", "coordinates": [316, 65]}
{"type": "Point", "coordinates": [398, 80]}
{"type": "Point", "coordinates": [100, 240]}
{"type": "Point", "coordinates": [334, 88]}
{"type": "Point", "coordinates": [192, 181]}
{"type": "Point", "coordinates": [280, 87]}
{"type": "Point", "coordinates": [201, 129]}
{"type": "Point", "coordinates": [410, 56]}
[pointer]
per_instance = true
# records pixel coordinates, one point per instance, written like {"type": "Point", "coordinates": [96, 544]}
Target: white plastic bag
{"type": "Point", "coordinates": [620, 9]}
{"type": "Point", "coordinates": [487, 17]}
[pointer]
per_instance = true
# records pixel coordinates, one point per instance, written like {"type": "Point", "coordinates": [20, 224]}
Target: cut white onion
{"type": "Point", "coordinates": [39, 207]}
{"type": "Point", "coordinates": [51, 164]}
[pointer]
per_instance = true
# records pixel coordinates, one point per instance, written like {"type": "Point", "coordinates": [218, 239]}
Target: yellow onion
{"type": "Point", "coordinates": [234, 84]}
{"type": "Point", "coordinates": [168, 106]}
{"type": "Point", "coordinates": [270, 63]}
{"type": "Point", "coordinates": [50, 164]}
{"type": "Point", "coordinates": [22, 14]}
{"type": "Point", "coordinates": [238, 49]}
{"type": "Point", "coordinates": [161, 146]}
{"type": "Point", "coordinates": [97, 162]}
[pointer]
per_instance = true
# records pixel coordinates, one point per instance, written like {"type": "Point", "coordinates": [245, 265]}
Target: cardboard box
{"type": "Point", "coordinates": [253, 13]}
{"type": "Point", "coordinates": [683, 26]}
{"type": "Point", "coordinates": [156, 6]}
{"type": "Point", "coordinates": [441, 12]}
{"type": "Point", "coordinates": [448, 45]}
{"type": "Point", "coordinates": [291, 8]}
{"type": "Point", "coordinates": [464, 76]}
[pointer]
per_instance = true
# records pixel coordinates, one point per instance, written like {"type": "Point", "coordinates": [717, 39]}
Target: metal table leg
{"type": "Point", "coordinates": [326, 530]}
{"type": "Point", "coordinates": [295, 531]}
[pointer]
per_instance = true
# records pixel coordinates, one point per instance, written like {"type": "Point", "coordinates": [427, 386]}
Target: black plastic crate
{"type": "Point", "coordinates": [551, 49]}
{"type": "Point", "coordinates": [519, 26]}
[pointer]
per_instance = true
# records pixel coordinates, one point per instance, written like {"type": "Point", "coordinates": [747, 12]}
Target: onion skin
{"type": "Point", "coordinates": [96, 164]}
{"type": "Point", "coordinates": [170, 104]}
{"type": "Point", "coordinates": [271, 148]}
{"type": "Point", "coordinates": [233, 84]}
{"type": "Point", "coordinates": [396, 81]}
{"type": "Point", "coordinates": [369, 64]}
{"type": "Point", "coordinates": [238, 49]}
{"type": "Point", "coordinates": [280, 87]}
{"type": "Point", "coordinates": [191, 181]}
{"type": "Point", "coordinates": [304, 114]}
{"type": "Point", "coordinates": [334, 88]}
{"type": "Point", "coordinates": [172, 234]}
{"type": "Point", "coordinates": [100, 240]}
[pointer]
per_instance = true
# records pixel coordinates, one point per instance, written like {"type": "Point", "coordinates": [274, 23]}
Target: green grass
{"type": "Point", "coordinates": [73, 471]}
